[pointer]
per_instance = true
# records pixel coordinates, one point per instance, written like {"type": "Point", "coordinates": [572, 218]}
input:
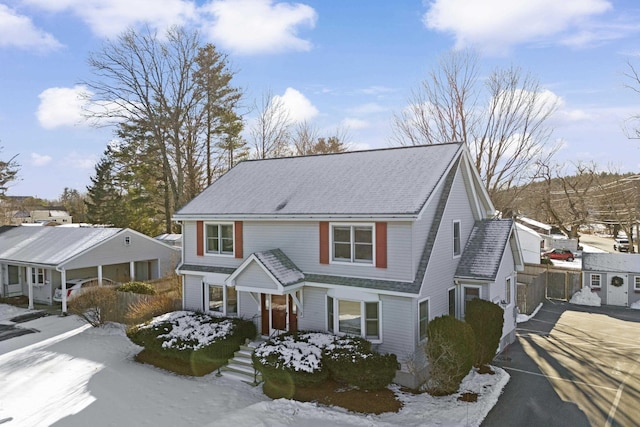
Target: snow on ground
{"type": "Point", "coordinates": [69, 374]}
{"type": "Point", "coordinates": [585, 297]}
{"type": "Point", "coordinates": [521, 318]}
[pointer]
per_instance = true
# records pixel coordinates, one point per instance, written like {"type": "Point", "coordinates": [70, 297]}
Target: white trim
{"type": "Point", "coordinates": [592, 276]}
{"type": "Point", "coordinates": [352, 226]}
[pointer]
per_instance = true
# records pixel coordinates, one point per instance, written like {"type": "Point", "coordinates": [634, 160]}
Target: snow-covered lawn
{"type": "Point", "coordinates": [69, 374]}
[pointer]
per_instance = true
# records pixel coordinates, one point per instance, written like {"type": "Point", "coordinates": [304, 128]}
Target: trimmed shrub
{"type": "Point", "coordinates": [196, 339]}
{"type": "Point", "coordinates": [486, 319]}
{"type": "Point", "coordinates": [138, 288]}
{"type": "Point", "coordinates": [96, 305]}
{"type": "Point", "coordinates": [450, 351]}
{"type": "Point", "coordinates": [289, 360]}
{"type": "Point", "coordinates": [351, 361]}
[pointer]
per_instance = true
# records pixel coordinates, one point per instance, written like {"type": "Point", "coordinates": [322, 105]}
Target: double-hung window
{"type": "Point", "coordinates": [636, 284]}
{"type": "Point", "coordinates": [595, 281]}
{"type": "Point", "coordinates": [219, 239]}
{"type": "Point", "coordinates": [353, 243]}
{"type": "Point", "coordinates": [359, 318]}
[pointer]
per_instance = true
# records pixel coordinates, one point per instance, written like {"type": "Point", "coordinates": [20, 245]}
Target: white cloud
{"type": "Point", "coordinates": [61, 106]}
{"type": "Point", "coordinates": [496, 25]}
{"type": "Point", "coordinates": [79, 161]}
{"type": "Point", "coordinates": [298, 106]}
{"type": "Point", "coordinates": [18, 31]}
{"type": "Point", "coordinates": [259, 26]}
{"type": "Point", "coordinates": [110, 18]}
{"type": "Point", "coordinates": [377, 90]}
{"type": "Point", "coordinates": [354, 124]}
{"type": "Point", "coordinates": [368, 108]}
{"type": "Point", "coordinates": [40, 159]}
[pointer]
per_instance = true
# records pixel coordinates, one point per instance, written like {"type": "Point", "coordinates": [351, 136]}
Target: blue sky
{"type": "Point", "coordinates": [336, 64]}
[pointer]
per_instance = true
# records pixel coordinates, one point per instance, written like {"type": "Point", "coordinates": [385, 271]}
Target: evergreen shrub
{"type": "Point", "coordinates": [196, 339]}
{"type": "Point", "coordinates": [450, 352]}
{"type": "Point", "coordinates": [486, 319]}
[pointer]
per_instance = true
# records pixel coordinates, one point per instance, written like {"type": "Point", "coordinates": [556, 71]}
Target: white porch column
{"type": "Point", "coordinates": [100, 275]}
{"type": "Point", "coordinates": [132, 271]}
{"type": "Point", "coordinates": [63, 285]}
{"type": "Point", "coordinates": [30, 285]}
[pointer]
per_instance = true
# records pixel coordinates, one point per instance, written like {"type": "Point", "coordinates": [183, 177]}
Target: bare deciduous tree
{"type": "Point", "coordinates": [271, 131]}
{"type": "Point", "coordinates": [175, 93]}
{"type": "Point", "coordinates": [503, 120]}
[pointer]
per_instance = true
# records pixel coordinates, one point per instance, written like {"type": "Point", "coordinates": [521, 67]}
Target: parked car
{"type": "Point", "coordinates": [75, 286]}
{"type": "Point", "coordinates": [621, 244]}
{"type": "Point", "coordinates": [559, 254]}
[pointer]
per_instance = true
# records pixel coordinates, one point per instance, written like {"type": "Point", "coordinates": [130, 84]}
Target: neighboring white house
{"type": "Point", "coordinates": [34, 261]}
{"type": "Point", "coordinates": [530, 242]}
{"type": "Point", "coordinates": [370, 243]}
{"type": "Point", "coordinates": [614, 277]}
{"type": "Point", "coordinates": [53, 215]}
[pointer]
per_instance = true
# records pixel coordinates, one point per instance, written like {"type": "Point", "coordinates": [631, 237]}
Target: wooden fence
{"type": "Point", "coordinates": [538, 282]}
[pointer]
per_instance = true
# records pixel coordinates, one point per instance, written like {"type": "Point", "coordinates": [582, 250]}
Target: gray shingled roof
{"type": "Point", "coordinates": [376, 182]}
{"type": "Point", "coordinates": [483, 251]}
{"type": "Point", "coordinates": [50, 245]}
{"type": "Point", "coordinates": [280, 266]}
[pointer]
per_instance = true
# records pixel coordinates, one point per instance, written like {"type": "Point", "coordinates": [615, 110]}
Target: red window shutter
{"type": "Point", "coordinates": [324, 242]}
{"type": "Point", "coordinates": [237, 244]}
{"type": "Point", "coordinates": [199, 238]}
{"type": "Point", "coordinates": [381, 244]}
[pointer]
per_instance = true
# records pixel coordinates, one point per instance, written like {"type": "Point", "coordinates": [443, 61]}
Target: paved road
{"type": "Point", "coordinates": [602, 243]}
{"type": "Point", "coordinates": [572, 366]}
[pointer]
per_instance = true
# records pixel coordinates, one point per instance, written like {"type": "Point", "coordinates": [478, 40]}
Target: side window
{"type": "Point", "coordinates": [457, 250]}
{"type": "Point", "coordinates": [507, 291]}
{"type": "Point", "coordinates": [595, 280]}
{"type": "Point", "coordinates": [452, 302]}
{"type": "Point", "coordinates": [637, 284]}
{"type": "Point", "coordinates": [423, 318]}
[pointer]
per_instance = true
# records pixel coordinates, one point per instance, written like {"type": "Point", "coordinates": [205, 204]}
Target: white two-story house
{"type": "Point", "coordinates": [370, 243]}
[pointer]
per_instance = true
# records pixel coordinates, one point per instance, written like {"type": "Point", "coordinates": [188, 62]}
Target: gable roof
{"type": "Point", "coordinates": [279, 267]}
{"type": "Point", "coordinates": [365, 183]}
{"type": "Point", "coordinates": [49, 245]}
{"type": "Point", "coordinates": [484, 249]}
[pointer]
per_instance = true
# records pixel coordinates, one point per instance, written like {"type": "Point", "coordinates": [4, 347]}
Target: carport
{"type": "Point", "coordinates": [34, 261]}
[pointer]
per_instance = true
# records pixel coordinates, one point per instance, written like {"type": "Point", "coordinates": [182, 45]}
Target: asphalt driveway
{"type": "Point", "coordinates": [572, 366]}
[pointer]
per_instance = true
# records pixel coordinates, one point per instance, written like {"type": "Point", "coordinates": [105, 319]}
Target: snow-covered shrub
{"type": "Point", "coordinates": [309, 358]}
{"type": "Point", "coordinates": [293, 359]}
{"type": "Point", "coordinates": [202, 341]}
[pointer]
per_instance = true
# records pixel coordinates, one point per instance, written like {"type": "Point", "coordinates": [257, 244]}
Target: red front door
{"type": "Point", "coordinates": [274, 314]}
